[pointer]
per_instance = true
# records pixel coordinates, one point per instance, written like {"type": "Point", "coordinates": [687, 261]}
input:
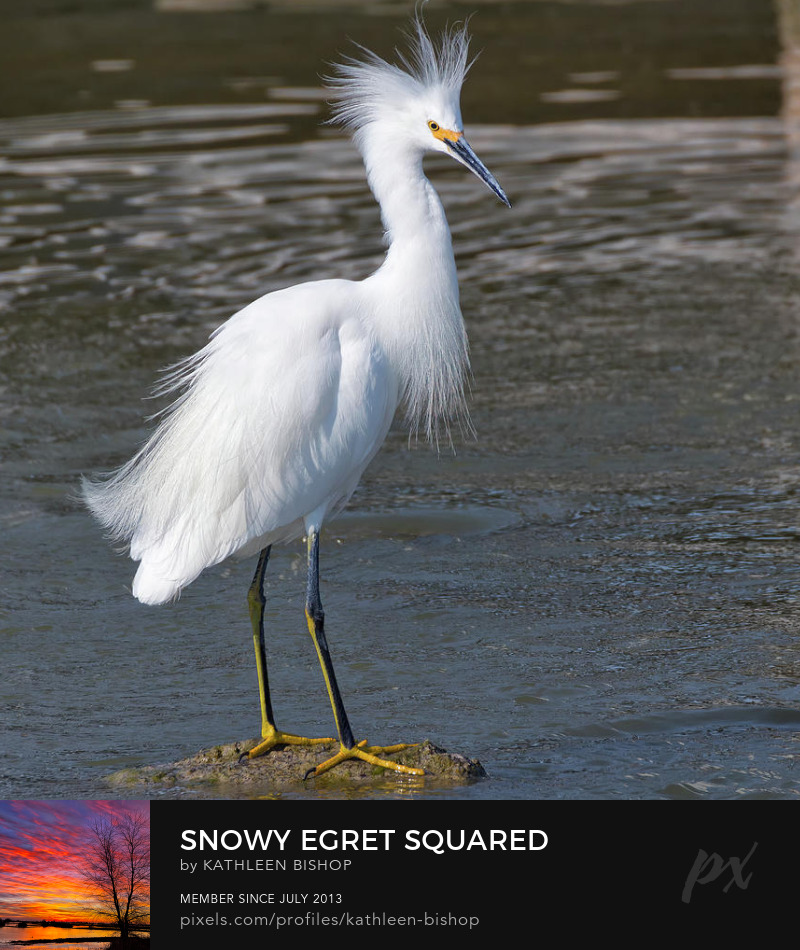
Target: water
{"type": "Point", "coordinates": [36, 937]}
{"type": "Point", "coordinates": [598, 597]}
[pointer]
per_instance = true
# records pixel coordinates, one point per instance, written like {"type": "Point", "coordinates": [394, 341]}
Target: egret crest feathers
{"type": "Point", "coordinates": [365, 89]}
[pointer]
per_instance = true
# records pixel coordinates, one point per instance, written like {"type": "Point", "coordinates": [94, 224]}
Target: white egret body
{"type": "Point", "coordinates": [279, 415]}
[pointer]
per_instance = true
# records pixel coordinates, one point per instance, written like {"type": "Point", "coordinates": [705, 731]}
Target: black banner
{"type": "Point", "coordinates": [252, 871]}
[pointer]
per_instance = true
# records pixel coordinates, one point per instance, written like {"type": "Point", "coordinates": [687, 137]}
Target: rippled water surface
{"type": "Point", "coordinates": [597, 597]}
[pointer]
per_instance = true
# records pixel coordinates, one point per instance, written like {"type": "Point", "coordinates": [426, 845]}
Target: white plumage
{"type": "Point", "coordinates": [282, 411]}
{"type": "Point", "coordinates": [279, 415]}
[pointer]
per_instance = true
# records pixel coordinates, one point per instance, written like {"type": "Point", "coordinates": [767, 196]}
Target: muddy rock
{"type": "Point", "coordinates": [286, 766]}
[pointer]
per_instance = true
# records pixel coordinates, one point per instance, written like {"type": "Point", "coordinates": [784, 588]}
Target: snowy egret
{"type": "Point", "coordinates": [279, 415]}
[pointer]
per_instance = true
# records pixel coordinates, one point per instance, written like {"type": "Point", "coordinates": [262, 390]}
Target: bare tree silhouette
{"type": "Point", "coordinates": [116, 867]}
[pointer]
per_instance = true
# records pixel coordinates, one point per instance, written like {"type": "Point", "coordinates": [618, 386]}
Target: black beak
{"type": "Point", "coordinates": [463, 153]}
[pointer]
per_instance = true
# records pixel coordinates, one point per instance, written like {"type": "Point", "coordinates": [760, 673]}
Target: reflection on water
{"type": "Point", "coordinates": [603, 585]}
{"type": "Point", "coordinates": [69, 938]}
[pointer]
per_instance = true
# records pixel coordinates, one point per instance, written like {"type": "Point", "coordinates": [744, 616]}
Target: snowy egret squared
{"type": "Point", "coordinates": [277, 417]}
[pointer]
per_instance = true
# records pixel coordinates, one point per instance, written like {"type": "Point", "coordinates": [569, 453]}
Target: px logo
{"type": "Point", "coordinates": [707, 868]}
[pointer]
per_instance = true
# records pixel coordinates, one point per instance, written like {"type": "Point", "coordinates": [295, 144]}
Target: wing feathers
{"type": "Point", "coordinates": [276, 418]}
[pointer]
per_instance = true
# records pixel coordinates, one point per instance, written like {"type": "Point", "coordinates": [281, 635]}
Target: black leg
{"type": "Point", "coordinates": [348, 747]}
{"type": "Point", "coordinates": [255, 602]}
{"type": "Point", "coordinates": [316, 625]}
{"type": "Point", "coordinates": [270, 736]}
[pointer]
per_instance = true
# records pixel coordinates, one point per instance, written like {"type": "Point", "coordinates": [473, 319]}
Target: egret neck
{"type": "Point", "coordinates": [414, 294]}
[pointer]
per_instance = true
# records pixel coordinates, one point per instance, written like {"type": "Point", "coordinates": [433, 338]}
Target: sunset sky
{"type": "Point", "coordinates": [39, 844]}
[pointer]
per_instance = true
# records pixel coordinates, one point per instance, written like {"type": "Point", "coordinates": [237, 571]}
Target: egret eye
{"type": "Point", "coordinates": [433, 126]}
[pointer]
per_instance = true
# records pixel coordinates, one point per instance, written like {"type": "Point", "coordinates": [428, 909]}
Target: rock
{"type": "Point", "coordinates": [285, 766]}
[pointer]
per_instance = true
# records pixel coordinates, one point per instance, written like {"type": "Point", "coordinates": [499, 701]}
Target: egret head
{"type": "Point", "coordinates": [415, 104]}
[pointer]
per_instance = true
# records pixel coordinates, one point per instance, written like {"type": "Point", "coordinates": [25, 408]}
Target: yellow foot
{"type": "Point", "coordinates": [368, 753]}
{"type": "Point", "coordinates": [276, 737]}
